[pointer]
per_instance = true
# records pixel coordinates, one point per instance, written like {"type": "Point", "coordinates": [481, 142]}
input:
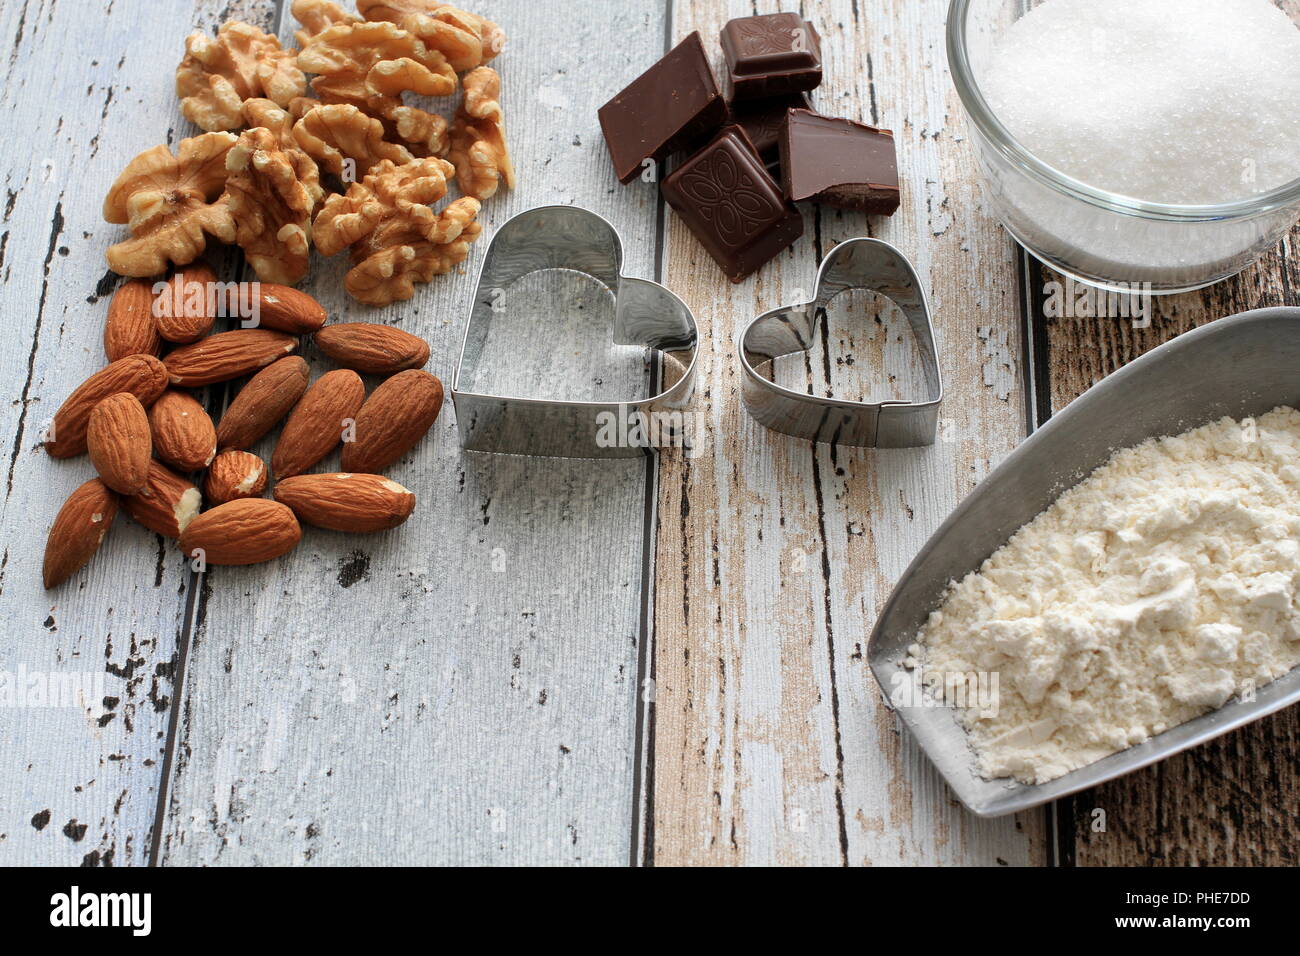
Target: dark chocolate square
{"type": "Point", "coordinates": [732, 205]}
{"type": "Point", "coordinates": [839, 162]}
{"type": "Point", "coordinates": [673, 105]}
{"type": "Point", "coordinates": [771, 55]}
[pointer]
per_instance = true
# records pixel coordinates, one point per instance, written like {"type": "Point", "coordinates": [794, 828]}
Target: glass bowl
{"type": "Point", "coordinates": [1102, 238]}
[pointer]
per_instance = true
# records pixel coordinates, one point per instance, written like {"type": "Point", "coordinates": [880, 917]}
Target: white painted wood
{"type": "Point", "coordinates": [461, 689]}
{"type": "Point", "coordinates": [84, 89]}
{"type": "Point", "coordinates": [772, 743]}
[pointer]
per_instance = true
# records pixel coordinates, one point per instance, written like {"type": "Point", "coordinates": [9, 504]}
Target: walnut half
{"type": "Point", "coordinates": [167, 202]}
{"type": "Point", "coordinates": [317, 16]}
{"type": "Point", "coordinates": [270, 206]}
{"type": "Point", "coordinates": [337, 133]}
{"type": "Point", "coordinates": [242, 62]}
{"type": "Point", "coordinates": [260, 112]}
{"type": "Point", "coordinates": [395, 238]}
{"type": "Point", "coordinates": [478, 137]}
{"type": "Point", "coordinates": [465, 39]}
{"type": "Point", "coordinates": [370, 66]}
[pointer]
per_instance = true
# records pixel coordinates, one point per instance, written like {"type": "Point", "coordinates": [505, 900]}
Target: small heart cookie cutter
{"type": "Point", "coordinates": [856, 264]}
{"type": "Point", "coordinates": [645, 314]}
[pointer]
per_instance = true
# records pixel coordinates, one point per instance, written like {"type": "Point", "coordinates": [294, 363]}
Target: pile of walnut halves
{"type": "Point", "coordinates": [268, 188]}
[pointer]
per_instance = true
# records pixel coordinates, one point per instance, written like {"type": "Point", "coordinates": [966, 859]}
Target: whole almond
{"type": "Point", "coordinates": [78, 530]}
{"type": "Point", "coordinates": [261, 403]}
{"type": "Point", "coordinates": [185, 312]}
{"type": "Point", "coordinates": [234, 474]}
{"type": "Point", "coordinates": [141, 375]}
{"type": "Point", "coordinates": [346, 502]}
{"type": "Point", "coordinates": [246, 531]}
{"type": "Point", "coordinates": [167, 504]}
{"type": "Point", "coordinates": [393, 419]}
{"type": "Point", "coordinates": [317, 422]}
{"type": "Point", "coordinates": [285, 309]}
{"type": "Point", "coordinates": [227, 355]}
{"type": "Point", "coordinates": [183, 434]}
{"type": "Point", "coordinates": [130, 328]}
{"type": "Point", "coordinates": [372, 349]}
{"type": "Point", "coordinates": [117, 438]}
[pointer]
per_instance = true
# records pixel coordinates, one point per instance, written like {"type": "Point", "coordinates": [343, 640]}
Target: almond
{"type": "Point", "coordinates": [373, 349]}
{"type": "Point", "coordinates": [185, 312]}
{"type": "Point", "coordinates": [261, 403]}
{"type": "Point", "coordinates": [235, 474]}
{"type": "Point", "coordinates": [130, 328]}
{"type": "Point", "coordinates": [183, 434]}
{"type": "Point", "coordinates": [317, 422]}
{"type": "Point", "coordinates": [285, 309]}
{"type": "Point", "coordinates": [141, 375]}
{"type": "Point", "coordinates": [227, 355]}
{"type": "Point", "coordinates": [76, 533]}
{"type": "Point", "coordinates": [167, 504]}
{"type": "Point", "coordinates": [346, 502]}
{"type": "Point", "coordinates": [246, 531]}
{"type": "Point", "coordinates": [393, 419]}
{"type": "Point", "coordinates": [117, 438]}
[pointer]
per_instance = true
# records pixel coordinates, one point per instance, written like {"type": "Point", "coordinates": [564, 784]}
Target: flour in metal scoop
{"type": "Point", "coordinates": [1155, 590]}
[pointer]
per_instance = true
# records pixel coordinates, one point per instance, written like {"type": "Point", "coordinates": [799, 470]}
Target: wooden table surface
{"type": "Point", "coordinates": [647, 661]}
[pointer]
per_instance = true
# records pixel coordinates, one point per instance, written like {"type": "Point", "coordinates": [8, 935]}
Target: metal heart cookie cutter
{"type": "Point", "coordinates": [856, 264]}
{"type": "Point", "coordinates": [645, 314]}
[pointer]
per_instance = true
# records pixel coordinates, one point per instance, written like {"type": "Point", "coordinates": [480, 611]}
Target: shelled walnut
{"type": "Point", "coordinates": [478, 142]}
{"type": "Point", "coordinates": [261, 190]}
{"type": "Point", "coordinates": [167, 202]}
{"type": "Point", "coordinates": [264, 113]}
{"type": "Point", "coordinates": [336, 133]}
{"type": "Point", "coordinates": [465, 39]}
{"type": "Point", "coordinates": [396, 238]}
{"type": "Point", "coordinates": [241, 62]}
{"type": "Point", "coordinates": [317, 16]}
{"type": "Point", "coordinates": [270, 206]}
{"type": "Point", "coordinates": [370, 66]}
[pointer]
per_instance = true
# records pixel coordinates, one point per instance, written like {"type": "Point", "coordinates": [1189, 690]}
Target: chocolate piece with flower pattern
{"type": "Point", "coordinates": [732, 205]}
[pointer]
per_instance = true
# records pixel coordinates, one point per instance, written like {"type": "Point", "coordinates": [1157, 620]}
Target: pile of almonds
{"type": "Point", "coordinates": [145, 432]}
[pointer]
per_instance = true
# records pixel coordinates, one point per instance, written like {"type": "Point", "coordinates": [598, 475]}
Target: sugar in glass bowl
{"type": "Point", "coordinates": [1104, 238]}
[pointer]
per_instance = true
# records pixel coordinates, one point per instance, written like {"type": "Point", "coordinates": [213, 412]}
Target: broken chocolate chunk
{"type": "Point", "coordinates": [673, 105]}
{"type": "Point", "coordinates": [732, 205]}
{"type": "Point", "coordinates": [839, 162]}
{"type": "Point", "coordinates": [771, 55]}
{"type": "Point", "coordinates": [762, 120]}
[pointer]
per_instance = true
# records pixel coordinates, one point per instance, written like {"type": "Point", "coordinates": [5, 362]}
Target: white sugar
{"type": "Point", "coordinates": [1175, 101]}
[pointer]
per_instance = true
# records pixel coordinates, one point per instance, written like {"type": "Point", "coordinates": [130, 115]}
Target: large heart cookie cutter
{"type": "Point", "coordinates": [856, 264]}
{"type": "Point", "coordinates": [645, 314]}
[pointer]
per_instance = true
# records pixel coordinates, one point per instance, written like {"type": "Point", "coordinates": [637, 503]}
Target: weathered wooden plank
{"type": "Point", "coordinates": [772, 742]}
{"type": "Point", "coordinates": [1231, 801]}
{"type": "Point", "coordinates": [461, 689]}
{"type": "Point", "coordinates": [79, 781]}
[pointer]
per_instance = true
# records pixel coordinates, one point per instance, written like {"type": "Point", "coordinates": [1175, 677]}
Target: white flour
{"type": "Point", "coordinates": [1150, 593]}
